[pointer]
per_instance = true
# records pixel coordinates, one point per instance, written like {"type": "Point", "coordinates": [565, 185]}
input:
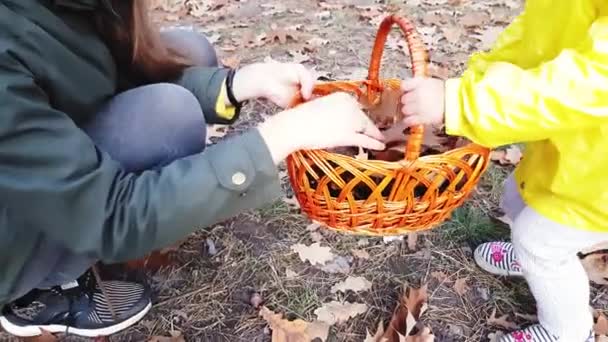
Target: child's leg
{"type": "Point", "coordinates": [547, 252]}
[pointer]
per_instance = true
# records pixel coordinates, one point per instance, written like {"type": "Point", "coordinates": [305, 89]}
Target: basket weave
{"type": "Point", "coordinates": [409, 195]}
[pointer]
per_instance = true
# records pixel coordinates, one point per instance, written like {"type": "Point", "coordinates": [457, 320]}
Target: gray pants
{"type": "Point", "coordinates": [142, 128]}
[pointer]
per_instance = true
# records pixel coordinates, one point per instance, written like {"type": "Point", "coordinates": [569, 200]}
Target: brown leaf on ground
{"type": "Point", "coordinates": [293, 331]}
{"type": "Point", "coordinates": [596, 266]}
{"type": "Point", "coordinates": [473, 19]}
{"type": "Point", "coordinates": [502, 321]}
{"type": "Point", "coordinates": [407, 313]}
{"type": "Point", "coordinates": [44, 337]}
{"type": "Point", "coordinates": [424, 335]}
{"type": "Point", "coordinates": [440, 276]}
{"type": "Point", "coordinates": [510, 156]}
{"type": "Point", "coordinates": [215, 131]}
{"type": "Point", "coordinates": [461, 287]}
{"type": "Point", "coordinates": [360, 253]}
{"type": "Point", "coordinates": [335, 312]}
{"type": "Point", "coordinates": [412, 241]}
{"type": "Point", "coordinates": [314, 253]}
{"type": "Point", "coordinates": [601, 325]}
{"type": "Point", "coordinates": [281, 34]}
{"type": "Point", "coordinates": [453, 34]}
{"type": "Point", "coordinates": [232, 61]}
{"type": "Point", "coordinates": [176, 336]}
{"type": "Point", "coordinates": [355, 284]}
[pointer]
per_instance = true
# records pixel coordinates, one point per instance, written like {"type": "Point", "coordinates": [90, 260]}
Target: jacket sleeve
{"type": "Point", "coordinates": [208, 85]}
{"type": "Point", "coordinates": [55, 181]}
{"type": "Point", "coordinates": [502, 102]}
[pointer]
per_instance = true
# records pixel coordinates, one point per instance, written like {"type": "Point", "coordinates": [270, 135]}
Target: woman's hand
{"type": "Point", "coordinates": [274, 81]}
{"type": "Point", "coordinates": [423, 101]}
{"type": "Point", "coordinates": [331, 121]}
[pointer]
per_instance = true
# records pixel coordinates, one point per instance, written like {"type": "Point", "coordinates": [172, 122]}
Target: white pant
{"type": "Point", "coordinates": [547, 252]}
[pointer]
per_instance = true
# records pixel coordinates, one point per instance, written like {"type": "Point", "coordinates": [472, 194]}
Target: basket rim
{"type": "Point", "coordinates": [395, 165]}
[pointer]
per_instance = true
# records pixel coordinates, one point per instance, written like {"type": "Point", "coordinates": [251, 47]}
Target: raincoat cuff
{"type": "Point", "coordinates": [453, 113]}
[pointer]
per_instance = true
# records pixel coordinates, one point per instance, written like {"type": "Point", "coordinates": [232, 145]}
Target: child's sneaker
{"type": "Point", "coordinates": [80, 308]}
{"type": "Point", "coordinates": [498, 258]}
{"type": "Point", "coordinates": [536, 333]}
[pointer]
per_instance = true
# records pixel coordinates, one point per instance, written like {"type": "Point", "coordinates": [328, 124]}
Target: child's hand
{"type": "Point", "coordinates": [423, 101]}
{"type": "Point", "coordinates": [276, 82]}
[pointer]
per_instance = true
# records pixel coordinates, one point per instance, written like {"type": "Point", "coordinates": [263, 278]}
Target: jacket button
{"type": "Point", "coordinates": [238, 178]}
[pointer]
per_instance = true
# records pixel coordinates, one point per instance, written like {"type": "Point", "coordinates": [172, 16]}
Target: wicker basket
{"type": "Point", "coordinates": [409, 195]}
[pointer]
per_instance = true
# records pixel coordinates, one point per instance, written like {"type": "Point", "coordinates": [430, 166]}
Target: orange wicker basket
{"type": "Point", "coordinates": [413, 194]}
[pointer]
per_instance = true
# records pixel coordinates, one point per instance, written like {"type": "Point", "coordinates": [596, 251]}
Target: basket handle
{"type": "Point", "coordinates": [420, 67]}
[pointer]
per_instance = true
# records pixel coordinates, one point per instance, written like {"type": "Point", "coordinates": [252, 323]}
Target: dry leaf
{"type": "Point", "coordinates": [360, 253]}
{"type": "Point", "coordinates": [378, 336]}
{"type": "Point", "coordinates": [355, 284]}
{"type": "Point", "coordinates": [424, 335]}
{"type": "Point", "coordinates": [45, 336]}
{"type": "Point", "coordinates": [510, 156]}
{"type": "Point", "coordinates": [314, 253]}
{"type": "Point", "coordinates": [289, 274]}
{"type": "Point", "coordinates": [176, 336]}
{"type": "Point", "coordinates": [362, 155]}
{"type": "Point", "coordinates": [412, 240]}
{"type": "Point", "coordinates": [601, 325]}
{"type": "Point", "coordinates": [316, 236]}
{"type": "Point", "coordinates": [502, 321]}
{"type": "Point", "coordinates": [231, 62]}
{"type": "Point", "coordinates": [282, 35]}
{"type": "Point", "coordinates": [488, 36]}
{"type": "Point", "coordinates": [411, 306]}
{"type": "Point", "coordinates": [215, 131]}
{"type": "Point", "coordinates": [313, 227]}
{"type": "Point", "coordinates": [440, 276]}
{"type": "Point", "coordinates": [386, 112]}
{"type": "Point", "coordinates": [596, 266]}
{"type": "Point", "coordinates": [293, 331]}
{"type": "Point", "coordinates": [461, 287]}
{"type": "Point", "coordinates": [336, 312]}
{"type": "Point", "coordinates": [472, 19]}
{"type": "Point", "coordinates": [299, 57]}
{"type": "Point", "coordinates": [292, 202]}
{"type": "Point", "coordinates": [529, 318]}
{"type": "Point", "coordinates": [338, 265]}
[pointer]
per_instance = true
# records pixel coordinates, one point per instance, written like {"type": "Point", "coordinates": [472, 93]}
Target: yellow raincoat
{"type": "Point", "coordinates": [545, 83]}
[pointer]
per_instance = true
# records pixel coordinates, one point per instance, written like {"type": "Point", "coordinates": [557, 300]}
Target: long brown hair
{"type": "Point", "coordinates": [136, 43]}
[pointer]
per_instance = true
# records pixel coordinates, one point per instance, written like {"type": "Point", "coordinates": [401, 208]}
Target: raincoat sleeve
{"type": "Point", "coordinates": [503, 102]}
{"type": "Point", "coordinates": [55, 181]}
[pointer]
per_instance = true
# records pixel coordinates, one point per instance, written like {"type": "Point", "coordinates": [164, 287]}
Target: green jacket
{"type": "Point", "coordinates": [55, 73]}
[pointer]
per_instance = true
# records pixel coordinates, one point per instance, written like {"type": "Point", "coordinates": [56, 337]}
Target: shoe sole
{"type": "Point", "coordinates": [493, 269]}
{"type": "Point", "coordinates": [36, 330]}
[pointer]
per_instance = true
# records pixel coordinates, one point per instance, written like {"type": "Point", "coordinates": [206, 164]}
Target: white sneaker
{"type": "Point", "coordinates": [498, 258]}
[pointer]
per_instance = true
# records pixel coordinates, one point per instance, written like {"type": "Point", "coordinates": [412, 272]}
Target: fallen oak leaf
{"type": "Point", "coordinates": [412, 241]}
{"type": "Point", "coordinates": [461, 287]}
{"type": "Point", "coordinates": [424, 335]}
{"type": "Point", "coordinates": [293, 331]}
{"type": "Point", "coordinates": [405, 316]}
{"type": "Point", "coordinates": [45, 336]}
{"type": "Point", "coordinates": [314, 253]}
{"type": "Point", "coordinates": [335, 312]}
{"type": "Point", "coordinates": [502, 321]}
{"type": "Point", "coordinates": [355, 284]}
{"type": "Point", "coordinates": [176, 336]}
{"type": "Point", "coordinates": [360, 253]}
{"type": "Point", "coordinates": [601, 325]}
{"type": "Point", "coordinates": [440, 276]}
